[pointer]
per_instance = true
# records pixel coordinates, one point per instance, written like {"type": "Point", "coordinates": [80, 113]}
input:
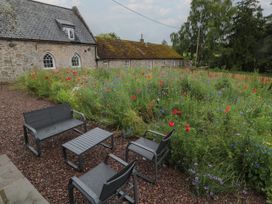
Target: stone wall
{"type": "Point", "coordinates": [139, 63]}
{"type": "Point", "coordinates": [16, 57]}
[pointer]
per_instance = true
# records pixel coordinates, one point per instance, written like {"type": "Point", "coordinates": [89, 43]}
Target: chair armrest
{"type": "Point", "coordinates": [118, 159]}
{"type": "Point", "coordinates": [143, 147]}
{"type": "Point", "coordinates": [85, 190]}
{"type": "Point", "coordinates": [80, 114]}
{"type": "Point", "coordinates": [31, 129]}
{"type": "Point", "coordinates": [154, 133]}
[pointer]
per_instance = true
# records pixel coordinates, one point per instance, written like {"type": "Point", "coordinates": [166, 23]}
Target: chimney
{"type": "Point", "coordinates": [142, 38]}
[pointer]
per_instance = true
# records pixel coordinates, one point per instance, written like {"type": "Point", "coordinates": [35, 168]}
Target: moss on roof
{"type": "Point", "coordinates": [124, 49]}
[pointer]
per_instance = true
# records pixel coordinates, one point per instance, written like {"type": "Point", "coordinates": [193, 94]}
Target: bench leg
{"type": "Point", "coordinates": [36, 151]}
{"type": "Point", "coordinates": [85, 127]}
{"type": "Point", "coordinates": [112, 142]}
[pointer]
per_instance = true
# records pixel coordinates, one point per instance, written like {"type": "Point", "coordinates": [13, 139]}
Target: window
{"type": "Point", "coordinates": [48, 61]}
{"type": "Point", "coordinates": [76, 61]}
{"type": "Point", "coordinates": [127, 63]}
{"type": "Point", "coordinates": [70, 32]}
{"type": "Point", "coordinates": [105, 63]}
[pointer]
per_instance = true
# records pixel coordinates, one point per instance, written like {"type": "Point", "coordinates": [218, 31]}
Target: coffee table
{"type": "Point", "coordinates": [85, 142]}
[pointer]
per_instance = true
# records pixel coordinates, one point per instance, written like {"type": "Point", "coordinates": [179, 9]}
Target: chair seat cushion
{"type": "Point", "coordinates": [58, 128]}
{"type": "Point", "coordinates": [147, 143]}
{"type": "Point", "coordinates": [96, 177]}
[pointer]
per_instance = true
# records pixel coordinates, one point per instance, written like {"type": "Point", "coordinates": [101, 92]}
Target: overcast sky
{"type": "Point", "coordinates": [105, 16]}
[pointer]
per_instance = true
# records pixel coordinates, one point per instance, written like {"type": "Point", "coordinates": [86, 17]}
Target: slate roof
{"type": "Point", "coordinates": [124, 49]}
{"type": "Point", "coordinates": [30, 20]}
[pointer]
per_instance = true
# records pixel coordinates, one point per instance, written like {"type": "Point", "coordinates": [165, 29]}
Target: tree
{"type": "Point", "coordinates": [164, 42]}
{"type": "Point", "coordinates": [207, 27]}
{"type": "Point", "coordinates": [113, 36]}
{"type": "Point", "coordinates": [264, 51]}
{"type": "Point", "coordinates": [248, 29]}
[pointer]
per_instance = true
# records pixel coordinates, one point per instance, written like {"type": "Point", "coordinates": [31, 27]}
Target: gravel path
{"type": "Point", "coordinates": [50, 175]}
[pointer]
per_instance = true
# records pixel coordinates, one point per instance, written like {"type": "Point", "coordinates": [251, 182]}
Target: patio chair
{"type": "Point", "coordinates": [102, 182]}
{"type": "Point", "coordinates": [151, 150]}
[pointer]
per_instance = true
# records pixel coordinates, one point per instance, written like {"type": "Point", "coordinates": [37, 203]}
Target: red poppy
{"type": "Point", "coordinates": [245, 87]}
{"type": "Point", "coordinates": [171, 124]}
{"type": "Point", "coordinates": [133, 98]}
{"type": "Point", "coordinates": [68, 79]}
{"type": "Point", "coordinates": [74, 73]}
{"type": "Point", "coordinates": [161, 83]}
{"type": "Point", "coordinates": [187, 127]}
{"type": "Point", "coordinates": [254, 90]}
{"type": "Point", "coordinates": [176, 111]}
{"type": "Point", "coordinates": [228, 108]}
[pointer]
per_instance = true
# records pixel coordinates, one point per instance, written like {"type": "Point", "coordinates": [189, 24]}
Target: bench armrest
{"type": "Point", "coordinates": [143, 147]}
{"type": "Point", "coordinates": [117, 159]}
{"type": "Point", "coordinates": [154, 133]}
{"type": "Point", "coordinates": [82, 116]}
{"type": "Point", "coordinates": [85, 190]}
{"type": "Point", "coordinates": [31, 129]}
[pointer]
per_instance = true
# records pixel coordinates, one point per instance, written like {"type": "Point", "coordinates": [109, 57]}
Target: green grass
{"type": "Point", "coordinates": [223, 125]}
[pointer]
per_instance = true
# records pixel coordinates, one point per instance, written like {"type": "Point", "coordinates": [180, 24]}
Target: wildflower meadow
{"type": "Point", "coordinates": [223, 123]}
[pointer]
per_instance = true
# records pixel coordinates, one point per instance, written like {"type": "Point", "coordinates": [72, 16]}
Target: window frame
{"type": "Point", "coordinates": [67, 31]}
{"type": "Point", "coordinates": [53, 61]}
{"type": "Point", "coordinates": [127, 63]}
{"type": "Point", "coordinates": [79, 60]}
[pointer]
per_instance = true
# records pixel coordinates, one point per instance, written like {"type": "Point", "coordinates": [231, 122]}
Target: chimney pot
{"type": "Point", "coordinates": [142, 38]}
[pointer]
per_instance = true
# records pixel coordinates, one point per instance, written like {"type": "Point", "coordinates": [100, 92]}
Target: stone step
{"type": "Point", "coordinates": [14, 187]}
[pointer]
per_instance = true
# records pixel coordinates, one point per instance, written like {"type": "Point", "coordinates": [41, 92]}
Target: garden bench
{"type": "Point", "coordinates": [51, 121]}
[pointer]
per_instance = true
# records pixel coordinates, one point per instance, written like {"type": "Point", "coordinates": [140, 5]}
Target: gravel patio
{"type": "Point", "coordinates": [50, 175]}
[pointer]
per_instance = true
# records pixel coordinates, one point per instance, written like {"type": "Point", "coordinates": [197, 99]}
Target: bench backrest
{"type": "Point", "coordinates": [48, 116]}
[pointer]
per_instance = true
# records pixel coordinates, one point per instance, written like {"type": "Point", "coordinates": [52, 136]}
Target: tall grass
{"type": "Point", "coordinates": [223, 138]}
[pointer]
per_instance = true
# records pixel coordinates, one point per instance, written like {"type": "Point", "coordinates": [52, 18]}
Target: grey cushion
{"type": "Point", "coordinates": [58, 128]}
{"type": "Point", "coordinates": [147, 143]}
{"type": "Point", "coordinates": [96, 177]}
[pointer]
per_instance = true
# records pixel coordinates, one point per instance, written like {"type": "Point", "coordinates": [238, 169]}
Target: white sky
{"type": "Point", "coordinates": [105, 16]}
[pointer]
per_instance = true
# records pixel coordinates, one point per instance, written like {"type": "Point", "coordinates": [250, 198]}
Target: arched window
{"type": "Point", "coordinates": [48, 61]}
{"type": "Point", "coordinates": [76, 61]}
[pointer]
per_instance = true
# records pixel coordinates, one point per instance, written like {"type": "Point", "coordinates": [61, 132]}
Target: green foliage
{"type": "Point", "coordinates": [247, 30]}
{"type": "Point", "coordinates": [208, 25]}
{"type": "Point", "coordinates": [223, 125]}
{"type": "Point", "coordinates": [228, 36]}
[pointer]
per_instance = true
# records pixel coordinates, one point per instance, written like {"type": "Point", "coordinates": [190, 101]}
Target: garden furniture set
{"type": "Point", "coordinates": [102, 182]}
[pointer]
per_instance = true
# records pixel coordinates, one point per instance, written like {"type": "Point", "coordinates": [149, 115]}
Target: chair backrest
{"type": "Point", "coordinates": [47, 116]}
{"type": "Point", "coordinates": [164, 142]}
{"type": "Point", "coordinates": [116, 182]}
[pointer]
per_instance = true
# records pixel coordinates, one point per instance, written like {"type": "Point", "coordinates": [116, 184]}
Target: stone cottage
{"type": "Point", "coordinates": [39, 35]}
{"type": "Point", "coordinates": [114, 53]}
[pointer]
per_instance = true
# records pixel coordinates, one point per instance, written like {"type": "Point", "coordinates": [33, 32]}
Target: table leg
{"type": "Point", "coordinates": [80, 163]}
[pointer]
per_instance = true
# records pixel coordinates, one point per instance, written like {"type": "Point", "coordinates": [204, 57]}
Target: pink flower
{"type": "Point", "coordinates": [171, 123]}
